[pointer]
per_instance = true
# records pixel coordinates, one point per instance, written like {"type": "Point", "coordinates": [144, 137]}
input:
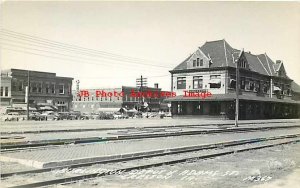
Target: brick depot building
{"type": "Point", "coordinates": [265, 88]}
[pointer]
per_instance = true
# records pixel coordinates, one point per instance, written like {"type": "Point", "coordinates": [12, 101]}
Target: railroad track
{"type": "Point", "coordinates": [32, 145]}
{"type": "Point", "coordinates": [172, 151]}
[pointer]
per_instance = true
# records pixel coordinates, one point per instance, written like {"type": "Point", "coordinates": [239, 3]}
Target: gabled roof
{"type": "Point", "coordinates": [223, 55]}
{"type": "Point", "coordinates": [183, 65]}
{"type": "Point", "coordinates": [220, 53]}
{"type": "Point", "coordinates": [295, 87]}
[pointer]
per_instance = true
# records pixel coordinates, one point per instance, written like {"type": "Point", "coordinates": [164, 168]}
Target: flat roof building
{"type": "Point", "coordinates": [46, 90]}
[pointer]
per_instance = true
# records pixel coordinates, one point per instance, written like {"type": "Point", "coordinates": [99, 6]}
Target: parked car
{"type": "Point", "coordinates": [63, 115]}
{"type": "Point", "coordinates": [36, 116]}
{"type": "Point", "coordinates": [50, 115]}
{"type": "Point", "coordinates": [12, 116]}
{"type": "Point", "coordinates": [74, 115]}
{"type": "Point", "coordinates": [103, 115]}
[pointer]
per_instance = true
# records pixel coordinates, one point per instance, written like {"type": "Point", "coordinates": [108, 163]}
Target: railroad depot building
{"type": "Point", "coordinates": [265, 88]}
{"type": "Point", "coordinates": [46, 92]}
{"type": "Point", "coordinates": [113, 103]}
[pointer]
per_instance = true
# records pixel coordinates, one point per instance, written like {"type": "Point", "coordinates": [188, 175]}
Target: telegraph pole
{"type": "Point", "coordinates": [141, 82]}
{"type": "Point", "coordinates": [27, 92]}
{"type": "Point", "coordinates": [141, 91]}
{"type": "Point", "coordinates": [237, 90]}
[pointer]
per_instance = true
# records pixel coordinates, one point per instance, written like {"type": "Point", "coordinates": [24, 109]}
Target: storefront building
{"type": "Point", "coordinates": [46, 92]}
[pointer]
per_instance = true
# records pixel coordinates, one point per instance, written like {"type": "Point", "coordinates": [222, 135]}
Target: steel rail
{"type": "Point", "coordinates": [191, 159]}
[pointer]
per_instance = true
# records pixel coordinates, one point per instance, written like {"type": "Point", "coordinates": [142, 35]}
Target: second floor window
{"type": "Point", "coordinates": [61, 89]}
{"type": "Point", "coordinates": [242, 82]}
{"type": "Point", "coordinates": [39, 87]}
{"type": "Point", "coordinates": [181, 83]}
{"type": "Point", "coordinates": [6, 92]}
{"type": "Point", "coordinates": [53, 88]}
{"type": "Point", "coordinates": [21, 86]}
{"type": "Point", "coordinates": [265, 87]}
{"type": "Point", "coordinates": [33, 87]}
{"type": "Point", "coordinates": [215, 81]}
{"type": "Point", "coordinates": [232, 82]}
{"type": "Point", "coordinates": [197, 82]}
{"type": "Point", "coordinates": [201, 62]}
{"type": "Point", "coordinates": [47, 88]}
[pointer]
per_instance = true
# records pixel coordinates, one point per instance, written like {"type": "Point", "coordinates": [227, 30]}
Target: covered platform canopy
{"type": "Point", "coordinates": [231, 97]}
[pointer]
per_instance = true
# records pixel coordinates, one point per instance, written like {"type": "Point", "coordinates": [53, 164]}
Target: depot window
{"type": "Point", "coordinates": [265, 87]}
{"type": "Point", "coordinates": [215, 81]}
{"type": "Point", "coordinates": [194, 63]}
{"type": "Point", "coordinates": [181, 82]}
{"type": "Point", "coordinates": [33, 87]}
{"type": "Point", "coordinates": [242, 82]}
{"type": "Point", "coordinates": [232, 82]}
{"type": "Point", "coordinates": [201, 62]}
{"type": "Point", "coordinates": [197, 82]}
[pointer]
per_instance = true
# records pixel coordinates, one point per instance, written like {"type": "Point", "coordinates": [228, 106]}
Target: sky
{"type": "Point", "coordinates": [154, 37]}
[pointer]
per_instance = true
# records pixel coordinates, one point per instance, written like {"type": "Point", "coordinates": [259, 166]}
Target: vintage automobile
{"type": "Point", "coordinates": [50, 115]}
{"type": "Point", "coordinates": [12, 116]}
{"type": "Point", "coordinates": [36, 116]}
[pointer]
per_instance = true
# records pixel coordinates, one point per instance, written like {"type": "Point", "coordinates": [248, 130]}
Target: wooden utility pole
{"type": "Point", "coordinates": [141, 82]}
{"type": "Point", "coordinates": [237, 90]}
{"type": "Point", "coordinates": [240, 59]}
{"type": "Point", "coordinates": [27, 97]}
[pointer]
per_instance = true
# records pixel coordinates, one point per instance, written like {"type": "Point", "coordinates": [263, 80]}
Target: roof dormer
{"type": "Point", "coordinates": [198, 60]}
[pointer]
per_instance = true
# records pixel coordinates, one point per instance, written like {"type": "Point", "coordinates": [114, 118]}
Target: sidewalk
{"type": "Point", "coordinates": [73, 154]}
{"type": "Point", "coordinates": [26, 126]}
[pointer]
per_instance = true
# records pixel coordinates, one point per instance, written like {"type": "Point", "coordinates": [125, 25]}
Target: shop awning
{"type": "Point", "coordinates": [30, 108]}
{"type": "Point", "coordinates": [46, 108]}
{"type": "Point", "coordinates": [231, 97]}
{"type": "Point", "coordinates": [108, 109]}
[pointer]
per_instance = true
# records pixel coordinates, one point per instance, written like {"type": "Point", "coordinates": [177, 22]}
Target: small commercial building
{"type": "Point", "coordinates": [46, 90]}
{"type": "Point", "coordinates": [264, 86]}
